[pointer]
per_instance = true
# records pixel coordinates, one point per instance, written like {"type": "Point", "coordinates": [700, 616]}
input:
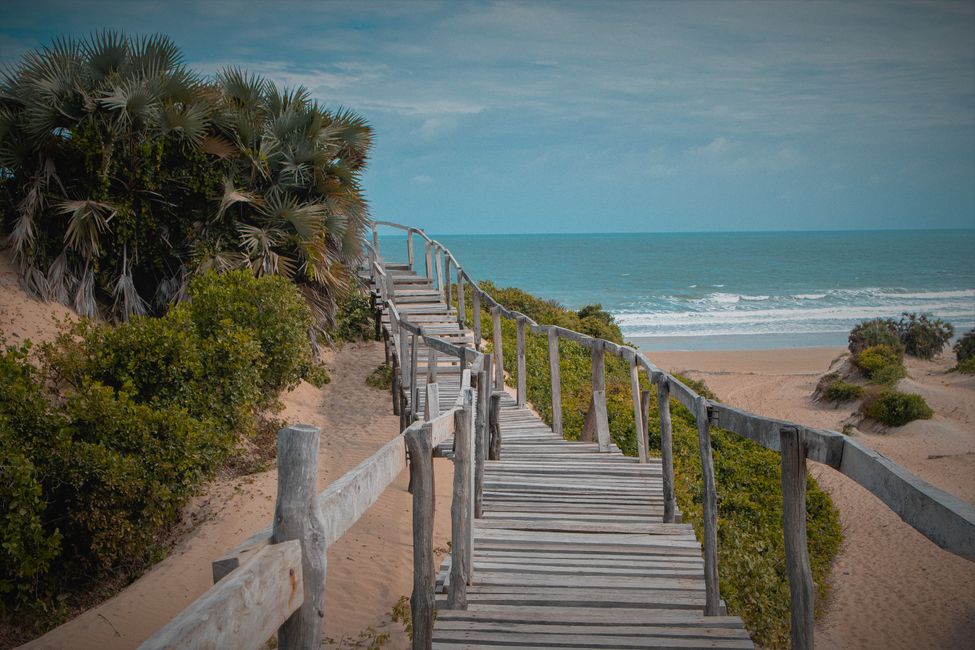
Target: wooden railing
{"type": "Point", "coordinates": [946, 520]}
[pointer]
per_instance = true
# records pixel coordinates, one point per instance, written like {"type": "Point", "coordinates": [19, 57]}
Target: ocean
{"type": "Point", "coordinates": [732, 291]}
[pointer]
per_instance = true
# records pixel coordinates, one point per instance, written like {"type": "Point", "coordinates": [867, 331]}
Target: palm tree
{"type": "Point", "coordinates": [125, 174]}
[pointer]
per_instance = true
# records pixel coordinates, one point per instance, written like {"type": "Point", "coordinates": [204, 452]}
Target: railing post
{"type": "Point", "coordinates": [494, 446]}
{"type": "Point", "coordinates": [375, 242]}
{"type": "Point", "coordinates": [439, 261]}
{"type": "Point", "coordinates": [556, 377]}
{"type": "Point", "coordinates": [409, 247]}
{"type": "Point", "coordinates": [432, 406]}
{"type": "Point", "coordinates": [801, 587]}
{"type": "Point", "coordinates": [710, 507]}
{"type": "Point", "coordinates": [297, 516]}
{"type": "Point", "coordinates": [422, 601]}
{"type": "Point", "coordinates": [481, 438]}
{"type": "Point", "coordinates": [429, 265]}
{"type": "Point", "coordinates": [599, 394]}
{"type": "Point", "coordinates": [446, 293]}
{"type": "Point", "coordinates": [476, 309]}
{"type": "Point", "coordinates": [498, 351]}
{"type": "Point", "coordinates": [395, 385]}
{"type": "Point", "coordinates": [641, 434]}
{"type": "Point", "coordinates": [404, 362]}
{"type": "Point", "coordinates": [431, 365]}
{"type": "Point", "coordinates": [414, 384]}
{"type": "Point", "coordinates": [460, 510]}
{"type": "Point", "coordinates": [666, 449]}
{"type": "Point", "coordinates": [461, 315]}
{"type": "Point", "coordinates": [522, 380]}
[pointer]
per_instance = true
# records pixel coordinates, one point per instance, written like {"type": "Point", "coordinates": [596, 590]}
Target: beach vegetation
{"type": "Point", "coordinates": [838, 391]}
{"type": "Point", "coordinates": [895, 409]}
{"type": "Point", "coordinates": [924, 336]}
{"type": "Point", "coordinates": [381, 377]}
{"type": "Point", "coordinates": [877, 331]}
{"type": "Point", "coordinates": [965, 347]}
{"type": "Point", "coordinates": [354, 318]}
{"type": "Point", "coordinates": [750, 541]}
{"type": "Point", "coordinates": [125, 174]}
{"type": "Point", "coordinates": [106, 431]}
{"type": "Point", "coordinates": [881, 364]}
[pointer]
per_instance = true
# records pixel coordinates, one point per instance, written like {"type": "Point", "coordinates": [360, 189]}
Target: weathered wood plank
{"type": "Point", "coordinates": [498, 349]}
{"type": "Point", "coordinates": [801, 587]}
{"type": "Point", "coordinates": [242, 611]}
{"type": "Point", "coordinates": [640, 429]}
{"type": "Point", "coordinates": [522, 390]}
{"type": "Point", "coordinates": [666, 450]}
{"type": "Point", "coordinates": [422, 603]}
{"type": "Point", "coordinates": [599, 413]}
{"type": "Point", "coordinates": [710, 508]}
{"type": "Point", "coordinates": [556, 378]}
{"type": "Point", "coordinates": [460, 513]}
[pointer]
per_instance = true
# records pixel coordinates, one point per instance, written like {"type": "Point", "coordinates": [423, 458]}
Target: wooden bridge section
{"type": "Point", "coordinates": [570, 550]}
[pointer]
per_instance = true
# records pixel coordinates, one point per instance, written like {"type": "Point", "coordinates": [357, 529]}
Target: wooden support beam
{"type": "Point", "coordinates": [422, 601]}
{"type": "Point", "coordinates": [476, 308]}
{"type": "Point", "coordinates": [556, 377]}
{"type": "Point", "coordinates": [395, 385]}
{"type": "Point", "coordinates": [522, 372]}
{"type": "Point", "coordinates": [599, 413]}
{"type": "Point", "coordinates": [429, 266]}
{"type": "Point", "coordinates": [440, 285]}
{"type": "Point", "coordinates": [409, 247]}
{"type": "Point", "coordinates": [801, 587]}
{"type": "Point", "coordinates": [297, 516]}
{"type": "Point", "coordinates": [461, 307]}
{"type": "Point", "coordinates": [431, 365]}
{"type": "Point", "coordinates": [494, 448]}
{"type": "Point", "coordinates": [404, 351]}
{"type": "Point", "coordinates": [460, 512]}
{"type": "Point", "coordinates": [432, 406]}
{"type": "Point", "coordinates": [710, 499]}
{"type": "Point", "coordinates": [481, 438]}
{"type": "Point", "coordinates": [666, 450]}
{"type": "Point", "coordinates": [641, 433]}
{"type": "Point", "coordinates": [414, 384]}
{"type": "Point", "coordinates": [498, 348]}
{"type": "Point", "coordinates": [447, 294]}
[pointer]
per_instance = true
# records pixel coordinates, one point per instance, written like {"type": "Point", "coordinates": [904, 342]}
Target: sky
{"type": "Point", "coordinates": [537, 117]}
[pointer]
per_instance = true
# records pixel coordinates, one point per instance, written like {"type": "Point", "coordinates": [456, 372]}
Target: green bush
{"type": "Point", "coordinates": [897, 409]}
{"type": "Point", "coordinates": [966, 367]}
{"type": "Point", "coordinates": [840, 391]}
{"type": "Point", "coordinates": [880, 364]}
{"type": "Point", "coordinates": [381, 377]}
{"type": "Point", "coordinates": [965, 347]}
{"type": "Point", "coordinates": [267, 307]}
{"type": "Point", "coordinates": [924, 336]}
{"type": "Point", "coordinates": [354, 320]}
{"type": "Point", "coordinates": [879, 331]}
{"type": "Point", "coordinates": [750, 546]}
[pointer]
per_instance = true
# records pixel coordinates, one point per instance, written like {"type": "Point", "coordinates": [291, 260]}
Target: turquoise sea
{"type": "Point", "coordinates": [696, 291]}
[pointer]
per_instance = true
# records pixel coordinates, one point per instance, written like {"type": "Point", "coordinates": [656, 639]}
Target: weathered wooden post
{"type": "Point", "coordinates": [601, 417]}
{"type": "Point", "coordinates": [494, 448]}
{"type": "Point", "coordinates": [666, 449]}
{"type": "Point", "coordinates": [556, 377]}
{"type": "Point", "coordinates": [409, 247]}
{"type": "Point", "coordinates": [432, 406]}
{"type": "Point", "coordinates": [395, 388]}
{"type": "Point", "coordinates": [476, 309]}
{"type": "Point", "coordinates": [414, 384]}
{"type": "Point", "coordinates": [447, 296]}
{"type": "Point", "coordinates": [377, 315]}
{"type": "Point", "coordinates": [404, 363]}
{"type": "Point", "coordinates": [375, 242]}
{"type": "Point", "coordinates": [431, 365]}
{"type": "Point", "coordinates": [429, 266]}
{"type": "Point", "coordinates": [422, 601]}
{"type": "Point", "coordinates": [439, 260]}
{"type": "Point", "coordinates": [641, 438]}
{"type": "Point", "coordinates": [481, 441]}
{"type": "Point", "coordinates": [461, 307]}
{"type": "Point", "coordinates": [710, 499]}
{"type": "Point", "coordinates": [522, 380]}
{"type": "Point", "coordinates": [793, 449]}
{"type": "Point", "coordinates": [498, 351]}
{"type": "Point", "coordinates": [460, 510]}
{"type": "Point", "coordinates": [297, 516]}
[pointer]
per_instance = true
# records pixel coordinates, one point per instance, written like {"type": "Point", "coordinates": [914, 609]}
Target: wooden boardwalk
{"type": "Point", "coordinates": [571, 550]}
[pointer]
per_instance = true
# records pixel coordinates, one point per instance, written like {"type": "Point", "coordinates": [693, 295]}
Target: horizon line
{"type": "Point", "coordinates": [693, 232]}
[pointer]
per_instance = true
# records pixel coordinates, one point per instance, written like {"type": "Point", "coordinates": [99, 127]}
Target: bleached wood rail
{"type": "Point", "coordinates": [555, 544]}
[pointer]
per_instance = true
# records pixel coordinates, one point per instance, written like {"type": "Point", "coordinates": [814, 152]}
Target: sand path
{"type": "Point", "coordinates": [368, 569]}
{"type": "Point", "coordinates": [892, 587]}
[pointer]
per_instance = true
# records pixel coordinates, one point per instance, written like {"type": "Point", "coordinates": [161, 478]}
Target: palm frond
{"type": "Point", "coordinates": [60, 281]}
{"type": "Point", "coordinates": [307, 219]}
{"type": "Point", "coordinates": [232, 195]}
{"type": "Point", "coordinates": [242, 88]}
{"type": "Point", "coordinates": [107, 52]}
{"type": "Point", "coordinates": [84, 297]}
{"type": "Point", "coordinates": [88, 221]}
{"type": "Point", "coordinates": [128, 302]}
{"type": "Point", "coordinates": [188, 122]}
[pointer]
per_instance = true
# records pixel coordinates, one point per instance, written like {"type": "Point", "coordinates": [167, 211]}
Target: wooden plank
{"type": "Point", "coordinates": [600, 415]}
{"type": "Point", "coordinates": [498, 351]}
{"type": "Point", "coordinates": [556, 379]}
{"type": "Point", "coordinates": [243, 610]}
{"type": "Point", "coordinates": [422, 603]}
{"type": "Point", "coordinates": [461, 307]}
{"type": "Point", "coordinates": [522, 390]}
{"type": "Point", "coordinates": [298, 517]}
{"type": "Point", "coordinates": [494, 447]}
{"type": "Point", "coordinates": [460, 513]}
{"type": "Point", "coordinates": [640, 429]}
{"type": "Point", "coordinates": [476, 309]}
{"type": "Point", "coordinates": [432, 405]}
{"type": "Point", "coordinates": [801, 587]}
{"type": "Point", "coordinates": [666, 450]}
{"type": "Point", "coordinates": [710, 508]}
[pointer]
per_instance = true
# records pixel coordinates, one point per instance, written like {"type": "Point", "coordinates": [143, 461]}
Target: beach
{"type": "Point", "coordinates": [891, 586]}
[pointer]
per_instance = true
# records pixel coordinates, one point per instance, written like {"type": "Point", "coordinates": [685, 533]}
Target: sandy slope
{"type": "Point", "coordinates": [368, 569]}
{"type": "Point", "coordinates": [22, 317]}
{"type": "Point", "coordinates": [892, 587]}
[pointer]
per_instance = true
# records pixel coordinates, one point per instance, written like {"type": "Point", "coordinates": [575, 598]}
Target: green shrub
{"type": "Point", "coordinates": [966, 367]}
{"type": "Point", "coordinates": [879, 331]}
{"type": "Point", "coordinates": [924, 336]}
{"type": "Point", "coordinates": [880, 364]}
{"type": "Point", "coordinates": [354, 320]}
{"type": "Point", "coordinates": [750, 546]}
{"type": "Point", "coordinates": [381, 377]}
{"type": "Point", "coordinates": [267, 307]}
{"type": "Point", "coordinates": [965, 347]}
{"type": "Point", "coordinates": [897, 409]}
{"type": "Point", "coordinates": [840, 391]}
